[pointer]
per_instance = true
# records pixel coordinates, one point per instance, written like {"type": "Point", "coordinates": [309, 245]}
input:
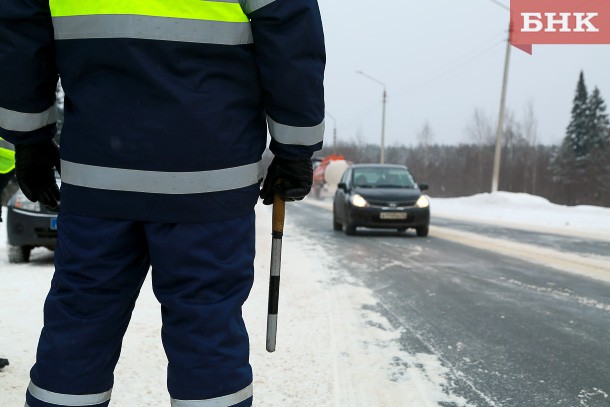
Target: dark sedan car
{"type": "Point", "coordinates": [380, 196]}
{"type": "Point", "coordinates": [29, 225]}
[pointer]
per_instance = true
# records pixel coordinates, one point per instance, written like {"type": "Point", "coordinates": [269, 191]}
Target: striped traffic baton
{"type": "Point", "coordinates": [277, 230]}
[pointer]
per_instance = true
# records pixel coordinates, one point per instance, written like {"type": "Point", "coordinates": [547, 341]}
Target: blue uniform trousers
{"type": "Point", "coordinates": [201, 274]}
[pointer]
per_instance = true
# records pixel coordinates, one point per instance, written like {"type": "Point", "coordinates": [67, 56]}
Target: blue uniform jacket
{"type": "Point", "coordinates": [166, 117]}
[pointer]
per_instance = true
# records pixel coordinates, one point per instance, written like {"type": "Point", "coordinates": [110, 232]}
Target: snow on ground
{"type": "Point", "coordinates": [332, 349]}
{"type": "Point", "coordinates": [528, 212]}
{"type": "Point", "coordinates": [515, 210]}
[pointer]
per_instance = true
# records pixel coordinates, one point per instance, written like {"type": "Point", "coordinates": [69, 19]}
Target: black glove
{"type": "Point", "coordinates": [291, 179]}
{"type": "Point", "coordinates": [34, 164]}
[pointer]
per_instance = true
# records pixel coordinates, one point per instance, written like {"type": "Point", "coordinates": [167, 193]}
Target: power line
{"type": "Point", "coordinates": [500, 4]}
{"type": "Point", "coordinates": [456, 68]}
{"type": "Point", "coordinates": [364, 113]}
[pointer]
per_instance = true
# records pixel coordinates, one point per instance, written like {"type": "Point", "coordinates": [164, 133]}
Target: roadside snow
{"type": "Point", "coordinates": [527, 212]}
{"type": "Point", "coordinates": [514, 210]}
{"type": "Point", "coordinates": [332, 349]}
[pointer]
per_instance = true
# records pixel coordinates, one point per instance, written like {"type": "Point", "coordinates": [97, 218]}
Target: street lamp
{"type": "Point", "coordinates": [384, 100]}
{"type": "Point", "coordinates": [334, 132]}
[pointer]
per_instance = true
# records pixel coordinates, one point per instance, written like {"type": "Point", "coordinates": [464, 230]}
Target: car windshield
{"type": "Point", "coordinates": [381, 177]}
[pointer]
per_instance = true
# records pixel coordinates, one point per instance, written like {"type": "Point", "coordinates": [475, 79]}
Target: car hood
{"type": "Point", "coordinates": [389, 196]}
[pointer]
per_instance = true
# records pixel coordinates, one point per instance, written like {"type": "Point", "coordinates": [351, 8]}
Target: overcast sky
{"type": "Point", "coordinates": [440, 60]}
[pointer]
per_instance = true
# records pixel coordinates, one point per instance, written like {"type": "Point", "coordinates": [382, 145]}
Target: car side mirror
{"type": "Point", "coordinates": [423, 187]}
{"type": "Point", "coordinates": [342, 185]}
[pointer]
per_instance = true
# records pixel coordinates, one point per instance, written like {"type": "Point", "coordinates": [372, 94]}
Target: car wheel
{"type": "Point", "coordinates": [422, 231]}
{"type": "Point", "coordinates": [336, 225]}
{"type": "Point", "coordinates": [350, 227]}
{"type": "Point", "coordinates": [19, 254]}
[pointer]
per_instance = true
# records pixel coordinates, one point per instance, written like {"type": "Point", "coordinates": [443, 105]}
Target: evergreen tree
{"type": "Point", "coordinates": [598, 123]}
{"type": "Point", "coordinates": [578, 129]}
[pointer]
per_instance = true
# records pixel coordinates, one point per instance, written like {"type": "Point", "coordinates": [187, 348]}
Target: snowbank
{"type": "Point", "coordinates": [524, 211]}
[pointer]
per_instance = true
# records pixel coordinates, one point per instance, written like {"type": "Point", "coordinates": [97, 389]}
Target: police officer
{"type": "Point", "coordinates": [7, 168]}
{"type": "Point", "coordinates": [167, 105]}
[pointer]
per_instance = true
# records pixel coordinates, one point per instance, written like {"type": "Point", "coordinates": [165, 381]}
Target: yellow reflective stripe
{"type": "Point", "coordinates": [7, 160]}
{"type": "Point", "coordinates": [189, 9]}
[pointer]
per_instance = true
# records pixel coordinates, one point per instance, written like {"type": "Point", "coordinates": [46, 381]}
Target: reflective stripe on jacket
{"type": "Point", "coordinates": [167, 103]}
{"type": "Point", "coordinates": [7, 159]}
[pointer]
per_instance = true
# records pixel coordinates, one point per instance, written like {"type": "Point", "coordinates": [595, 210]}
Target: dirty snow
{"type": "Point", "coordinates": [332, 349]}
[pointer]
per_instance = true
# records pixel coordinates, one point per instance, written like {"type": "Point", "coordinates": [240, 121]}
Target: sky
{"type": "Point", "coordinates": [440, 60]}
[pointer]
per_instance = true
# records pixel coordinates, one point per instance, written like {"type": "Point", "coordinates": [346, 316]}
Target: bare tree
{"type": "Point", "coordinates": [529, 126]}
{"type": "Point", "coordinates": [479, 130]}
{"type": "Point", "coordinates": [425, 138]}
{"type": "Point", "coordinates": [481, 133]}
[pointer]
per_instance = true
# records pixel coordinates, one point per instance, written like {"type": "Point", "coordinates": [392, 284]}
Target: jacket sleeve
{"type": "Point", "coordinates": [290, 55]}
{"type": "Point", "coordinates": [28, 74]}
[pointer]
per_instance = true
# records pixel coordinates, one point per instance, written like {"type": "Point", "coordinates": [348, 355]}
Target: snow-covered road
{"type": "Point", "coordinates": [333, 348]}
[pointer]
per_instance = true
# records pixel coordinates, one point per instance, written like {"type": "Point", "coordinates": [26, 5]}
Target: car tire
{"type": "Point", "coordinates": [19, 254]}
{"type": "Point", "coordinates": [422, 231]}
{"type": "Point", "coordinates": [350, 227]}
{"type": "Point", "coordinates": [336, 225]}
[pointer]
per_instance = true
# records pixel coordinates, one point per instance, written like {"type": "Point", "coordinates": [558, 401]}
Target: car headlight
{"type": "Point", "coordinates": [359, 201]}
{"type": "Point", "coordinates": [422, 202]}
{"type": "Point", "coordinates": [21, 202]}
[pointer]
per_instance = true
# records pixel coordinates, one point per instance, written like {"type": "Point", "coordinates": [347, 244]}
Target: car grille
{"type": "Point", "coordinates": [391, 203]}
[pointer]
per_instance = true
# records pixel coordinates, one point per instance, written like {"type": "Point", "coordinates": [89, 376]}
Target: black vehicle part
{"type": "Point", "coordinates": [19, 254]}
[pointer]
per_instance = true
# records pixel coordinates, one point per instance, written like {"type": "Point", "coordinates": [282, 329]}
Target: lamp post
{"type": "Point", "coordinates": [495, 178]}
{"type": "Point", "coordinates": [384, 100]}
{"type": "Point", "coordinates": [334, 132]}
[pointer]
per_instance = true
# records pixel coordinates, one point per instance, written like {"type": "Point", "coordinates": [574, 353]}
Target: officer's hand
{"type": "Point", "coordinates": [34, 164]}
{"type": "Point", "coordinates": [291, 179]}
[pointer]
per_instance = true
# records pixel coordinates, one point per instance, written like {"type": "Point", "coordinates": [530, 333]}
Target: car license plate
{"type": "Point", "coordinates": [54, 223]}
{"type": "Point", "coordinates": [393, 215]}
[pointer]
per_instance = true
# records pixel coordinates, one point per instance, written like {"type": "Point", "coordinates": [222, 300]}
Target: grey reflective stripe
{"type": "Point", "coordinates": [151, 28]}
{"type": "Point", "coordinates": [68, 399]}
{"type": "Point", "coordinates": [157, 182]}
{"type": "Point", "coordinates": [250, 6]}
{"type": "Point", "coordinates": [17, 121]}
{"type": "Point", "coordinates": [224, 401]}
{"type": "Point", "coordinates": [301, 136]}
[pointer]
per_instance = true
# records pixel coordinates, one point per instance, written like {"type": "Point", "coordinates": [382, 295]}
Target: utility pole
{"type": "Point", "coordinates": [384, 101]}
{"type": "Point", "coordinates": [498, 153]}
{"type": "Point", "coordinates": [334, 132]}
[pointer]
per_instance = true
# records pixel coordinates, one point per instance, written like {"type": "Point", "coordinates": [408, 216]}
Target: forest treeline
{"type": "Point", "coordinates": [576, 172]}
{"type": "Point", "coordinates": [466, 169]}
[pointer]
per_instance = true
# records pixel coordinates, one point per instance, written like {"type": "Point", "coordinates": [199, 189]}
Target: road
{"type": "Point", "coordinates": [511, 333]}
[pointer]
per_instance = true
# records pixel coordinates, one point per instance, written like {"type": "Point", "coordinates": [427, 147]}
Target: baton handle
{"type": "Point", "coordinates": [279, 212]}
